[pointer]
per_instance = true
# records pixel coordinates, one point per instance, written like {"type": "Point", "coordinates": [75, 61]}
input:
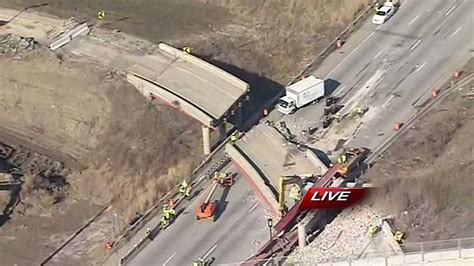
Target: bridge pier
{"type": "Point", "coordinates": [206, 140]}
{"type": "Point", "coordinates": [222, 131]}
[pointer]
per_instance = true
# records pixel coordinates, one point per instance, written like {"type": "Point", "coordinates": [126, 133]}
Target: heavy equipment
{"type": "Point", "coordinates": [207, 209]}
{"type": "Point", "coordinates": [288, 238]}
{"type": "Point", "coordinates": [296, 191]}
{"type": "Point", "coordinates": [353, 157]}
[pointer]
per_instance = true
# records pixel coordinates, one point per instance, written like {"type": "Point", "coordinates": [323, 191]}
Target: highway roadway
{"type": "Point", "coordinates": [228, 240]}
{"type": "Point", "coordinates": [392, 68]}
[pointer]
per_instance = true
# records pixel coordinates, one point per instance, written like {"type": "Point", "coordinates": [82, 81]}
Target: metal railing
{"type": "Point", "coordinates": [221, 163]}
{"type": "Point", "coordinates": [421, 248]}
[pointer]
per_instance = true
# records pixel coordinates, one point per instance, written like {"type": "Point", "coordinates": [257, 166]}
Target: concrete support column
{"type": "Point", "coordinates": [222, 131]}
{"type": "Point", "coordinates": [301, 235]}
{"type": "Point", "coordinates": [206, 139]}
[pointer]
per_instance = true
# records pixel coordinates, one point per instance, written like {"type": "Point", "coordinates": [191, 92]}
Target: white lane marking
{"type": "Point", "coordinates": [343, 60]}
{"type": "Point", "coordinates": [378, 54]}
{"type": "Point", "coordinates": [170, 258]}
{"type": "Point", "coordinates": [253, 207]}
{"type": "Point", "coordinates": [450, 10]}
{"type": "Point", "coordinates": [415, 45]}
{"type": "Point", "coordinates": [413, 20]}
{"type": "Point", "coordinates": [421, 67]}
{"type": "Point", "coordinates": [456, 32]}
{"type": "Point", "coordinates": [387, 101]}
{"type": "Point", "coordinates": [210, 251]}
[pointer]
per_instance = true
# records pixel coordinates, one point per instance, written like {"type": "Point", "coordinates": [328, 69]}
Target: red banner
{"type": "Point", "coordinates": [339, 198]}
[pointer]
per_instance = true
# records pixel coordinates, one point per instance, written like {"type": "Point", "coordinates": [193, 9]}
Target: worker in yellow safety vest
{"type": "Point", "coordinates": [360, 111]}
{"type": "Point", "coordinates": [398, 236]}
{"type": "Point", "coordinates": [164, 222]}
{"type": "Point", "coordinates": [101, 14]}
{"type": "Point", "coordinates": [372, 231]}
{"type": "Point", "coordinates": [233, 139]}
{"type": "Point", "coordinates": [187, 49]}
{"type": "Point", "coordinates": [148, 234]}
{"type": "Point", "coordinates": [342, 158]}
{"type": "Point", "coordinates": [184, 188]}
{"type": "Point", "coordinates": [168, 213]}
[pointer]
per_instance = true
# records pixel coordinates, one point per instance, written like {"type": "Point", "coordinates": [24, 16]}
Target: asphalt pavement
{"type": "Point", "coordinates": [394, 67]}
{"type": "Point", "coordinates": [241, 226]}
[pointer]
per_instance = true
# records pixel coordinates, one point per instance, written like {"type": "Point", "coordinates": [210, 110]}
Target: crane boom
{"type": "Point", "coordinates": [213, 189]}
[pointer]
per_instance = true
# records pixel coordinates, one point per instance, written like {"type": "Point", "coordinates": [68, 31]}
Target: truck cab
{"type": "Point", "coordinates": [286, 105]}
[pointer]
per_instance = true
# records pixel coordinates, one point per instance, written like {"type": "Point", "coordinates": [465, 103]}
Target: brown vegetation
{"type": "Point", "coordinates": [427, 174]}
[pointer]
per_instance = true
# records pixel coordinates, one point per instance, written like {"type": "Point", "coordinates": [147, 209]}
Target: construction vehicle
{"type": "Point", "coordinates": [207, 209]}
{"type": "Point", "coordinates": [300, 186]}
{"type": "Point", "coordinates": [287, 238]}
{"type": "Point", "coordinates": [352, 159]}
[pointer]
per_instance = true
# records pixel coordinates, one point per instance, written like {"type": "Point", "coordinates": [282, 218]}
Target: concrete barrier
{"type": "Point", "coordinates": [313, 158]}
{"type": "Point", "coordinates": [254, 178]}
{"type": "Point", "coordinates": [66, 37]}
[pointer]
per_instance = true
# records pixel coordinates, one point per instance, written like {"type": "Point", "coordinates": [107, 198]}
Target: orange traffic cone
{"type": "Point", "coordinates": [397, 126]}
{"type": "Point", "coordinates": [435, 93]}
{"type": "Point", "coordinates": [457, 74]}
{"type": "Point", "coordinates": [108, 245]}
{"type": "Point", "coordinates": [338, 43]}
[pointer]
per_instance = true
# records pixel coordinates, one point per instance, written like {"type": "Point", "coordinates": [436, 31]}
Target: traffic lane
{"type": "Point", "coordinates": [360, 37]}
{"type": "Point", "coordinates": [395, 38]}
{"type": "Point", "coordinates": [398, 64]}
{"type": "Point", "coordinates": [439, 61]}
{"type": "Point", "coordinates": [187, 238]}
{"type": "Point", "coordinates": [227, 227]}
{"type": "Point", "coordinates": [255, 225]}
{"type": "Point", "coordinates": [381, 47]}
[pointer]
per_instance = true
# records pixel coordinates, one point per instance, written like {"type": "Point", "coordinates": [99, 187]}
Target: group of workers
{"type": "Point", "coordinates": [168, 213]}
{"type": "Point", "coordinates": [168, 209]}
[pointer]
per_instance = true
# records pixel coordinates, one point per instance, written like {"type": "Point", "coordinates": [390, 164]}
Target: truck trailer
{"type": "Point", "coordinates": [301, 93]}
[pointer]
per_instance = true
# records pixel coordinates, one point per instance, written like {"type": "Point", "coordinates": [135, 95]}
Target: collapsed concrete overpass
{"type": "Point", "coordinates": [201, 90]}
{"type": "Point", "coordinates": [263, 155]}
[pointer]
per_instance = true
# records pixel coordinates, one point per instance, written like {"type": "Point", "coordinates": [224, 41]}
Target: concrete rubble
{"type": "Point", "coordinates": [14, 44]}
{"type": "Point", "coordinates": [344, 237]}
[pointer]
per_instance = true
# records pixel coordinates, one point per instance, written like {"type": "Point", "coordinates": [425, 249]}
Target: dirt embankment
{"type": "Point", "coordinates": [274, 38]}
{"type": "Point", "coordinates": [78, 136]}
{"type": "Point", "coordinates": [427, 174]}
{"type": "Point", "coordinates": [94, 117]}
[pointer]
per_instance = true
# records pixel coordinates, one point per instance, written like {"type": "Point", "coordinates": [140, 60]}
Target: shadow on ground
{"type": "Point", "coordinates": [264, 93]}
{"type": "Point", "coordinates": [330, 85]}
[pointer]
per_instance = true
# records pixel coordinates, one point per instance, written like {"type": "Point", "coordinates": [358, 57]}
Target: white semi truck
{"type": "Point", "coordinates": [301, 93]}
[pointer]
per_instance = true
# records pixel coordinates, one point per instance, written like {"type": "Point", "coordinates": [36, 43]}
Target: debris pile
{"type": "Point", "coordinates": [17, 45]}
{"type": "Point", "coordinates": [346, 236]}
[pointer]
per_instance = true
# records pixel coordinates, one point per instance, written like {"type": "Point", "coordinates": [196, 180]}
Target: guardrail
{"type": "Point", "coordinates": [420, 248]}
{"type": "Point", "coordinates": [152, 211]}
{"type": "Point", "coordinates": [420, 113]}
{"type": "Point", "coordinates": [332, 45]}
{"type": "Point", "coordinates": [207, 175]}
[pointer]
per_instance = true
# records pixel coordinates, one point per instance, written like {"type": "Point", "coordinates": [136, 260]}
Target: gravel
{"type": "Point", "coordinates": [345, 236]}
